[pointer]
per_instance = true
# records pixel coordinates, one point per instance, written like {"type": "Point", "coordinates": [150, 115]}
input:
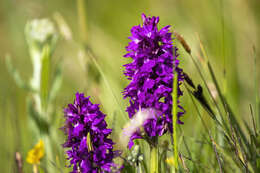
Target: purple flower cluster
{"type": "Point", "coordinates": [90, 149]}
{"type": "Point", "coordinates": [151, 74]}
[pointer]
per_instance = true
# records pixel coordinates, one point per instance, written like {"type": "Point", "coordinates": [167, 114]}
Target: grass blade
{"type": "Point", "coordinates": [174, 118]}
{"type": "Point", "coordinates": [228, 110]}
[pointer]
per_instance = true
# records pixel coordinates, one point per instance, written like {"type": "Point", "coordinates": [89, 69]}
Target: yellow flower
{"type": "Point", "coordinates": [170, 161]}
{"type": "Point", "coordinates": [35, 154]}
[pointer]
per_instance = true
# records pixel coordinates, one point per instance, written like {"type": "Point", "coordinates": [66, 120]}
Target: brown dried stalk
{"type": "Point", "coordinates": [19, 162]}
{"type": "Point", "coordinates": [183, 42]}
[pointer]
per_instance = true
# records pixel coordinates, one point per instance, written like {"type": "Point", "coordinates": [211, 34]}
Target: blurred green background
{"type": "Point", "coordinates": [228, 30]}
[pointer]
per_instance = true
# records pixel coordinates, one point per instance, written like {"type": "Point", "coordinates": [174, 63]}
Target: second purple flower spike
{"type": "Point", "coordinates": [90, 149]}
{"type": "Point", "coordinates": [151, 74]}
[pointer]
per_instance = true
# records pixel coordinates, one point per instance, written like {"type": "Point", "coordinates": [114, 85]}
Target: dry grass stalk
{"type": "Point", "coordinates": [19, 162]}
{"type": "Point", "coordinates": [183, 42]}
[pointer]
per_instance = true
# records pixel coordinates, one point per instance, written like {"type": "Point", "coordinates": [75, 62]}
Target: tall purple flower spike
{"type": "Point", "coordinates": [151, 74]}
{"type": "Point", "coordinates": [90, 149]}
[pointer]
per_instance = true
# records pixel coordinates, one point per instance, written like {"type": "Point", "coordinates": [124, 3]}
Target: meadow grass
{"type": "Point", "coordinates": [221, 91]}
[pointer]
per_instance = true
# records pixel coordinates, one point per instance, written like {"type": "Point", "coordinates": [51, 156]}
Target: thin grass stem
{"type": "Point", "coordinates": [82, 20]}
{"type": "Point", "coordinates": [256, 93]}
{"type": "Point", "coordinates": [217, 155]}
{"type": "Point", "coordinates": [253, 120]}
{"type": "Point", "coordinates": [227, 108]}
{"type": "Point", "coordinates": [197, 109]}
{"type": "Point", "coordinates": [205, 83]}
{"type": "Point", "coordinates": [174, 119]}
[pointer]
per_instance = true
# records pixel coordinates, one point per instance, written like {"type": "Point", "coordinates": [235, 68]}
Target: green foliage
{"type": "Point", "coordinates": [16, 75]}
{"type": "Point", "coordinates": [221, 131]}
{"type": "Point", "coordinates": [41, 125]}
{"type": "Point", "coordinates": [45, 75]}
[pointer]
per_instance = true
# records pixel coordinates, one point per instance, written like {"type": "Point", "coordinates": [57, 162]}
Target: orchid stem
{"type": "Point", "coordinates": [154, 159]}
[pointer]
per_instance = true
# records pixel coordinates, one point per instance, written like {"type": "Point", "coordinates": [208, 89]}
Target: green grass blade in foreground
{"type": "Point", "coordinates": [212, 98]}
{"type": "Point", "coordinates": [257, 113]}
{"type": "Point", "coordinates": [197, 109]}
{"type": "Point", "coordinates": [253, 119]}
{"type": "Point", "coordinates": [205, 83]}
{"type": "Point", "coordinates": [188, 150]}
{"type": "Point", "coordinates": [203, 123]}
{"type": "Point", "coordinates": [183, 42]}
{"type": "Point", "coordinates": [175, 118]}
{"type": "Point", "coordinates": [224, 103]}
{"type": "Point", "coordinates": [217, 155]}
{"type": "Point", "coordinates": [162, 158]}
{"type": "Point", "coordinates": [233, 120]}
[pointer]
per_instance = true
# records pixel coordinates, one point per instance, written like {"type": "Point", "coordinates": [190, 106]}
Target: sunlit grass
{"type": "Point", "coordinates": [220, 132]}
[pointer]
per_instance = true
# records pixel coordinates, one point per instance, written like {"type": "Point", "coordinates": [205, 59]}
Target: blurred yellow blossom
{"type": "Point", "coordinates": [35, 154]}
{"type": "Point", "coordinates": [170, 161]}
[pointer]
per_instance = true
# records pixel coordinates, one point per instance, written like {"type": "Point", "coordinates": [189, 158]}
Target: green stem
{"type": "Point", "coordinates": [82, 17]}
{"type": "Point", "coordinates": [220, 135]}
{"type": "Point", "coordinates": [256, 92]}
{"type": "Point", "coordinates": [154, 159]}
{"type": "Point", "coordinates": [139, 168]}
{"type": "Point", "coordinates": [36, 78]}
{"type": "Point", "coordinates": [174, 120]}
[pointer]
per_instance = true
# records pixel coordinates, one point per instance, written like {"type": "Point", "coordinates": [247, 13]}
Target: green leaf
{"type": "Point", "coordinates": [127, 168]}
{"type": "Point", "coordinates": [16, 75]}
{"type": "Point", "coordinates": [258, 163]}
{"type": "Point", "coordinates": [45, 75]}
{"type": "Point", "coordinates": [56, 83]}
{"type": "Point", "coordinates": [40, 122]}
